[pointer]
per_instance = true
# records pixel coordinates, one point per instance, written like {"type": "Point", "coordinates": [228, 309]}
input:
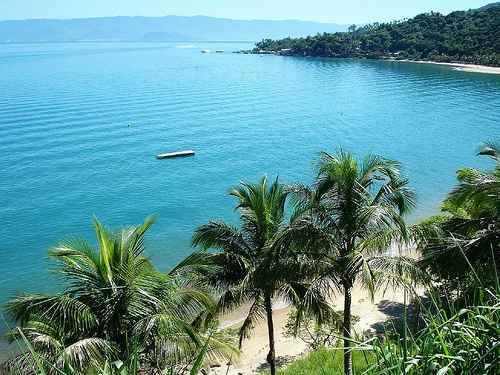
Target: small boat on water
{"type": "Point", "coordinates": [219, 51]}
{"type": "Point", "coordinates": [205, 51]}
{"type": "Point", "coordinates": [176, 154]}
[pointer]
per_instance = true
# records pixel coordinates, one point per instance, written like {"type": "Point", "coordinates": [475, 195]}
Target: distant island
{"type": "Point", "coordinates": [469, 37]}
{"type": "Point", "coordinates": [153, 29]}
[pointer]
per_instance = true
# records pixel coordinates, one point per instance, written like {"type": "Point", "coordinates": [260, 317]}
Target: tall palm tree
{"type": "Point", "coordinates": [245, 267]}
{"type": "Point", "coordinates": [114, 305]}
{"type": "Point", "coordinates": [346, 222]}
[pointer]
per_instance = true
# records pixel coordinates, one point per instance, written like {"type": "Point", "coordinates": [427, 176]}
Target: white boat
{"type": "Point", "coordinates": [205, 51]}
{"type": "Point", "coordinates": [176, 154]}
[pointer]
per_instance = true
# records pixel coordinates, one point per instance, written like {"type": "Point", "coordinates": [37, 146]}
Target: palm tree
{"type": "Point", "coordinates": [465, 238]}
{"type": "Point", "coordinates": [114, 305]}
{"type": "Point", "coordinates": [245, 267]}
{"type": "Point", "coordinates": [346, 222]}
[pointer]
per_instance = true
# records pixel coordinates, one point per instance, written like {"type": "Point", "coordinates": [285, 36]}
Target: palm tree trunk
{"type": "Point", "coordinates": [347, 329]}
{"type": "Point", "coordinates": [271, 357]}
{"type": "Point", "coordinates": [405, 347]}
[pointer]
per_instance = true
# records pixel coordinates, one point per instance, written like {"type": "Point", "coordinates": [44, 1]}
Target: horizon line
{"type": "Point", "coordinates": [128, 41]}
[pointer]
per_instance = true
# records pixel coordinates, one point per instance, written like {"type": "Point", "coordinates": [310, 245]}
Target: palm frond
{"type": "Point", "coordinates": [221, 236]}
{"type": "Point", "coordinates": [62, 309]}
{"type": "Point", "coordinates": [397, 272]}
{"type": "Point", "coordinates": [85, 353]}
{"type": "Point", "coordinates": [256, 313]}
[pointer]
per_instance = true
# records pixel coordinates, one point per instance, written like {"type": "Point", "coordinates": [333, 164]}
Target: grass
{"type": "Point", "coordinates": [326, 362]}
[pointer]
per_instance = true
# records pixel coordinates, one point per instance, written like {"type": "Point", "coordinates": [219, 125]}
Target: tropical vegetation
{"type": "Point", "coordinates": [304, 244]}
{"type": "Point", "coordinates": [464, 241]}
{"type": "Point", "coordinates": [345, 223]}
{"type": "Point", "coordinates": [454, 340]}
{"type": "Point", "coordinates": [465, 36]}
{"type": "Point", "coordinates": [247, 267]}
{"type": "Point", "coordinates": [115, 307]}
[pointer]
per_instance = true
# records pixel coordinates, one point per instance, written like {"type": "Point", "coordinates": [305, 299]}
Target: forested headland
{"type": "Point", "coordinates": [471, 36]}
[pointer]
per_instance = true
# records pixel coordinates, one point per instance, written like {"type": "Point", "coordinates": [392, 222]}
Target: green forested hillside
{"type": "Point", "coordinates": [465, 36]}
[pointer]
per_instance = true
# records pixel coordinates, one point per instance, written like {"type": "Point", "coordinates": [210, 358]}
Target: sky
{"type": "Point", "coordinates": [336, 11]}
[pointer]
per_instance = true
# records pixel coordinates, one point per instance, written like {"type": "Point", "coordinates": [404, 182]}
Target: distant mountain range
{"type": "Point", "coordinates": [489, 6]}
{"type": "Point", "coordinates": [169, 28]}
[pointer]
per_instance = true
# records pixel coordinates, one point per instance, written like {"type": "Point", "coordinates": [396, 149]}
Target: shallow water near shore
{"type": "Point", "coordinates": [80, 125]}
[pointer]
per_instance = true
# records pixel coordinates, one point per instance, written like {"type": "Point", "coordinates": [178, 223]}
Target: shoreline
{"type": "Point", "coordinates": [462, 67]}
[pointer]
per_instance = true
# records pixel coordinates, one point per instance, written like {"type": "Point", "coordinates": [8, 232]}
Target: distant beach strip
{"type": "Point", "coordinates": [471, 68]}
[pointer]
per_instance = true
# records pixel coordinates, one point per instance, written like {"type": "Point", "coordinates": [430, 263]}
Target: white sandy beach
{"type": "Point", "coordinates": [471, 68]}
{"type": "Point", "coordinates": [254, 351]}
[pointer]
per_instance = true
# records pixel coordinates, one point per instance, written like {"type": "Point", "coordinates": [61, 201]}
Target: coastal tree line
{"type": "Point", "coordinates": [465, 36]}
{"type": "Point", "coordinates": [306, 244]}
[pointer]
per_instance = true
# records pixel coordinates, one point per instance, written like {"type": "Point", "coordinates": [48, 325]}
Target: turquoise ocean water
{"type": "Point", "coordinates": [80, 125]}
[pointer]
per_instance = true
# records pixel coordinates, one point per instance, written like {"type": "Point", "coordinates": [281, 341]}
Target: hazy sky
{"type": "Point", "coordinates": [338, 11]}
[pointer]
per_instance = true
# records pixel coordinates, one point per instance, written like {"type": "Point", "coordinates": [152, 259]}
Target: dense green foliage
{"type": "Point", "coordinates": [114, 306]}
{"type": "Point", "coordinates": [464, 241]}
{"type": "Point", "coordinates": [465, 36]}
{"type": "Point", "coordinates": [454, 341]}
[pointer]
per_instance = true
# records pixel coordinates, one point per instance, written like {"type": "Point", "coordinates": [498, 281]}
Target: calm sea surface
{"type": "Point", "coordinates": [80, 125]}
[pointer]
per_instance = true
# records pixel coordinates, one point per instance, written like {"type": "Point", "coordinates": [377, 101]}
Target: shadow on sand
{"type": "Point", "coordinates": [395, 312]}
{"type": "Point", "coordinates": [281, 361]}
